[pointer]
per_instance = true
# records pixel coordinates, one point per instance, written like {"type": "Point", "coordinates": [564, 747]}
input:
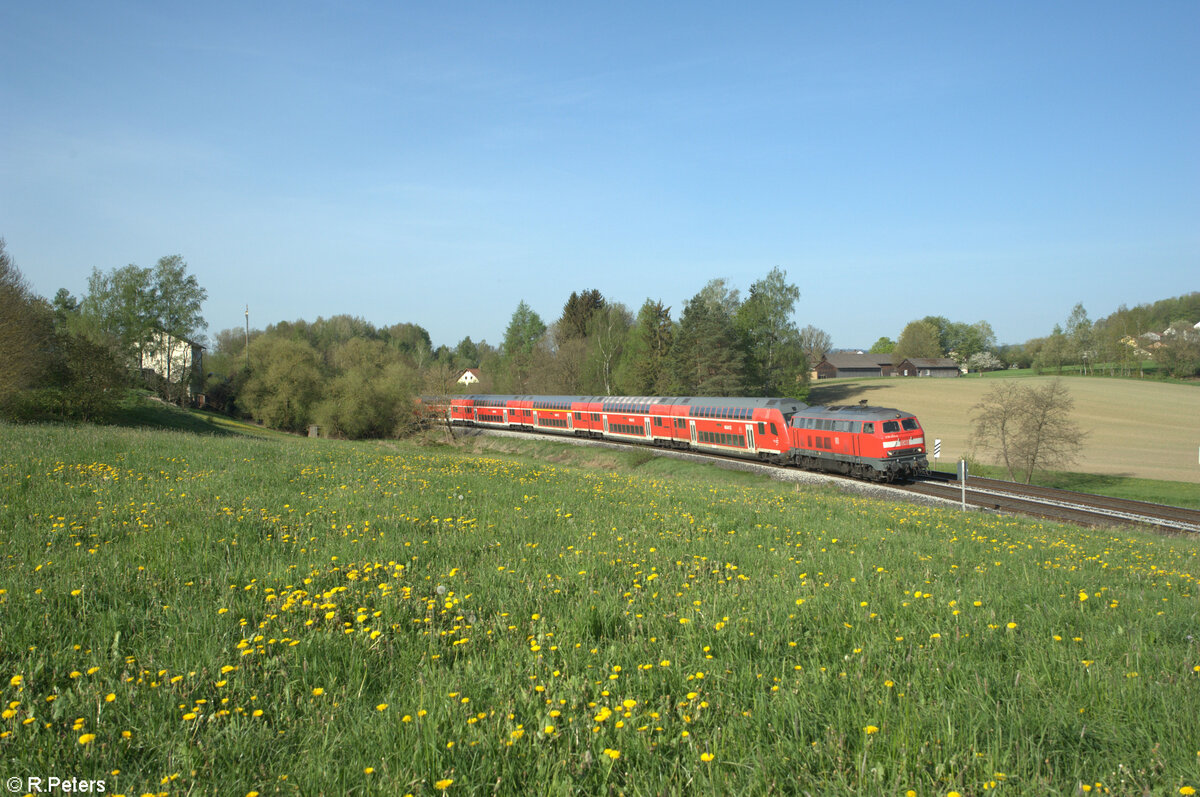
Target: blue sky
{"type": "Point", "coordinates": [437, 163]}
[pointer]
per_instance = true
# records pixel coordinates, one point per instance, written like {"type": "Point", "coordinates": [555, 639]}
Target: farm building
{"type": "Point", "coordinates": [928, 366]}
{"type": "Point", "coordinates": [848, 365]}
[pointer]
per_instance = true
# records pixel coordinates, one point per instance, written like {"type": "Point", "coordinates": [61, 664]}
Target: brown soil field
{"type": "Point", "coordinates": [1147, 430]}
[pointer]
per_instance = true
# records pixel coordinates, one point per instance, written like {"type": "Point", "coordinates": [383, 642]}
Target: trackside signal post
{"type": "Point", "coordinates": [962, 478]}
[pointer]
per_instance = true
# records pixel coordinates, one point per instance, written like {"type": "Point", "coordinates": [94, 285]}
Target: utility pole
{"type": "Point", "coordinates": [247, 337]}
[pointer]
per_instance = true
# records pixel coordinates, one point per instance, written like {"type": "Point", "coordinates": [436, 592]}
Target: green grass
{"type": "Point", "coordinates": [139, 410]}
{"type": "Point", "coordinates": [217, 615]}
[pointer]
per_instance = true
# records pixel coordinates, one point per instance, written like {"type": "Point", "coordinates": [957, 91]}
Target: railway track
{"type": "Point", "coordinates": [1083, 509]}
{"type": "Point", "coordinates": [1064, 505]}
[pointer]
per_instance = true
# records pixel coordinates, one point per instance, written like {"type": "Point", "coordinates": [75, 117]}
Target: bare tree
{"type": "Point", "coordinates": [815, 343]}
{"type": "Point", "coordinates": [1028, 427]}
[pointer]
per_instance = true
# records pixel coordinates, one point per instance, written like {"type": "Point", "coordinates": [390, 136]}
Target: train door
{"type": "Point", "coordinates": [750, 436]}
{"type": "Point", "coordinates": [692, 428]}
{"type": "Point", "coordinates": [605, 424]}
{"type": "Point", "coordinates": [648, 435]}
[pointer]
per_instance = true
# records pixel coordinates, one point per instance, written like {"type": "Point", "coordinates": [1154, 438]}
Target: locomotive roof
{"type": "Point", "coordinates": [855, 412]}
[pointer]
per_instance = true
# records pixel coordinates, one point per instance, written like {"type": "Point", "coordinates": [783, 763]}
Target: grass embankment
{"type": "Point", "coordinates": [1136, 429]}
{"type": "Point", "coordinates": [220, 615]}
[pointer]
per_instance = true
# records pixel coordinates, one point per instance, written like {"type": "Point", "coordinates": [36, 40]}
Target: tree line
{"type": "Point", "coordinates": [1121, 343]}
{"type": "Point", "coordinates": [356, 380]}
{"type": "Point", "coordinates": [71, 359]}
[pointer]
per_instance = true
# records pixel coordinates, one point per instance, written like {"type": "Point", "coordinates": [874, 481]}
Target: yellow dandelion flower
{"type": "Point", "coordinates": [443, 784]}
{"type": "Point", "coordinates": [110, 697]}
{"type": "Point", "coordinates": [15, 680]}
{"type": "Point", "coordinates": [87, 738]}
{"type": "Point", "coordinates": [613, 754]}
{"type": "Point", "coordinates": [381, 707]}
{"type": "Point", "coordinates": [318, 691]}
{"type": "Point", "coordinates": [706, 757]}
{"type": "Point", "coordinates": [368, 770]}
{"type": "Point", "coordinates": [871, 729]}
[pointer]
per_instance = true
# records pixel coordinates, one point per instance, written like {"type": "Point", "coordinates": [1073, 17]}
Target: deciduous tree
{"type": "Point", "coordinates": [815, 343]}
{"type": "Point", "coordinates": [919, 339]}
{"type": "Point", "coordinates": [285, 382]}
{"type": "Point", "coordinates": [1028, 427]}
{"type": "Point", "coordinates": [25, 330]}
{"type": "Point", "coordinates": [176, 301]}
{"type": "Point", "coordinates": [775, 362]}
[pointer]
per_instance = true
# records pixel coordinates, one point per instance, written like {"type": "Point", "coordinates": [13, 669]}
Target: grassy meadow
{"type": "Point", "coordinates": [188, 614]}
{"type": "Point", "coordinates": [1137, 429]}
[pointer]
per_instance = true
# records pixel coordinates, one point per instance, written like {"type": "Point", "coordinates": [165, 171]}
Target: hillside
{"type": "Point", "coordinates": [1147, 430]}
{"type": "Point", "coordinates": [224, 614]}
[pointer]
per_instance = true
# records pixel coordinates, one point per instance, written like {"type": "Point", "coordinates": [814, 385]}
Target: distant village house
{"type": "Point", "coordinates": [469, 377]}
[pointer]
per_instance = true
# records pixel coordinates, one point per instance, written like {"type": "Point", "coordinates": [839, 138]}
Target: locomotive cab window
{"type": "Point", "coordinates": [910, 424]}
{"type": "Point", "coordinates": [890, 426]}
{"type": "Point", "coordinates": [868, 428]}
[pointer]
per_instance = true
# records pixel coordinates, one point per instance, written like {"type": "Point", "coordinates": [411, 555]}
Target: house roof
{"type": "Point", "coordinates": [849, 359]}
{"type": "Point", "coordinates": [932, 362]}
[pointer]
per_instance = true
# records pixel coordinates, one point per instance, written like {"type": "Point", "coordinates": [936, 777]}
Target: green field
{"type": "Point", "coordinates": [225, 615]}
{"type": "Point", "coordinates": [1139, 429]}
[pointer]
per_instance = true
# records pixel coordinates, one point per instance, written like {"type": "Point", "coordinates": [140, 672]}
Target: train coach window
{"type": "Point", "coordinates": [868, 428]}
{"type": "Point", "coordinates": [890, 426]}
{"type": "Point", "coordinates": [762, 427]}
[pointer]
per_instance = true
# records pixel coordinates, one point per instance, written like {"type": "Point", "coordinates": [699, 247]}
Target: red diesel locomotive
{"type": "Point", "coordinates": [867, 442]}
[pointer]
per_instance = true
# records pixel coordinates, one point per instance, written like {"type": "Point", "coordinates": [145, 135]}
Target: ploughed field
{"type": "Point", "coordinates": [224, 615]}
{"type": "Point", "coordinates": [1141, 429]}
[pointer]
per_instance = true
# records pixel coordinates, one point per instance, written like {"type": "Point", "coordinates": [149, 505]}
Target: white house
{"type": "Point", "coordinates": [469, 377]}
{"type": "Point", "coordinates": [174, 359]}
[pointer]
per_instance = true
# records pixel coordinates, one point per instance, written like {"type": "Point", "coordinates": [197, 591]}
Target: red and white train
{"type": "Point", "coordinates": [875, 443]}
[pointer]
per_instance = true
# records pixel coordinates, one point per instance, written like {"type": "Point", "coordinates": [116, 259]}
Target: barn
{"type": "Point", "coordinates": [928, 366]}
{"type": "Point", "coordinates": [849, 365]}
